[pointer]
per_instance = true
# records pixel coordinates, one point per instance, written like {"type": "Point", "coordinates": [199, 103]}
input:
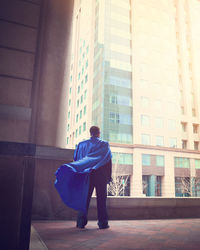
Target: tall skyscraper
{"type": "Point", "coordinates": [134, 73]}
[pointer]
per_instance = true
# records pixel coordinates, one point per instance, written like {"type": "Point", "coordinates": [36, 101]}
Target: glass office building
{"type": "Point", "coordinates": [134, 73]}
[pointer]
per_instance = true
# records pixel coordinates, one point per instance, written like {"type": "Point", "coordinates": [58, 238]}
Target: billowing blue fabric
{"type": "Point", "coordinates": [72, 179]}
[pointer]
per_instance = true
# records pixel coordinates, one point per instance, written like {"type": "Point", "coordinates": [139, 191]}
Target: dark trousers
{"type": "Point", "coordinates": [98, 182]}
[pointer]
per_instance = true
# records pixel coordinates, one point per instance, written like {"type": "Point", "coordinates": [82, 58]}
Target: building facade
{"type": "Point", "coordinates": [134, 73]}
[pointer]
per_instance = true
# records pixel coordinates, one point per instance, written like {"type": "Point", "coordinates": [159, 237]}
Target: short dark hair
{"type": "Point", "coordinates": [94, 131]}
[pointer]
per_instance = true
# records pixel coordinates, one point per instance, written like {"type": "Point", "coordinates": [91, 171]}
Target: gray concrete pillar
{"type": "Point", "coordinates": [49, 118]}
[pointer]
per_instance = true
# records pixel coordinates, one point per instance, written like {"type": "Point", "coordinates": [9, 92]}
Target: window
{"type": "Point", "coordinates": [76, 133]}
{"type": "Point", "coordinates": [160, 161]}
{"type": "Point", "coordinates": [69, 102]}
{"type": "Point", "coordinates": [196, 145]}
{"type": "Point", "coordinates": [145, 121]}
{"type": "Point", "coordinates": [120, 118]}
{"type": "Point", "coordinates": [79, 76]}
{"type": "Point", "coordinates": [78, 89]}
{"type": "Point", "coordinates": [67, 127]}
{"type": "Point", "coordinates": [182, 186]}
{"type": "Point", "coordinates": [82, 70]}
{"type": "Point", "coordinates": [181, 162]}
{"type": "Point", "coordinates": [79, 130]}
{"type": "Point", "coordinates": [77, 103]}
{"type": "Point", "coordinates": [195, 128]}
{"type": "Point", "coordinates": [80, 50]}
{"type": "Point", "coordinates": [122, 82]}
{"type": "Point", "coordinates": [151, 185]}
{"type": "Point", "coordinates": [84, 126]}
{"type": "Point", "coordinates": [184, 144]}
{"type": "Point", "coordinates": [193, 112]}
{"type": "Point", "coordinates": [81, 114]}
{"type": "Point", "coordinates": [172, 124]}
{"type": "Point", "coordinates": [67, 140]}
{"type": "Point", "coordinates": [159, 140]}
{"type": "Point", "coordinates": [84, 110]}
{"type": "Point", "coordinates": [81, 84]}
{"type": "Point", "coordinates": [114, 117]}
{"type": "Point", "coordinates": [70, 78]}
{"type": "Point", "coordinates": [145, 139]}
{"type": "Point", "coordinates": [68, 114]}
{"type": "Point", "coordinates": [77, 118]}
{"type": "Point", "coordinates": [86, 78]}
{"type": "Point", "coordinates": [121, 100]}
{"type": "Point", "coordinates": [85, 94]}
{"type": "Point", "coordinates": [197, 163]}
{"type": "Point", "coordinates": [113, 99]}
{"type": "Point", "coordinates": [159, 122]}
{"type": "Point", "coordinates": [182, 110]}
{"type": "Point", "coordinates": [87, 49]}
{"type": "Point", "coordinates": [146, 160]}
{"type": "Point", "coordinates": [86, 64]}
{"type": "Point", "coordinates": [82, 99]}
{"type": "Point", "coordinates": [122, 158]}
{"type": "Point", "coordinates": [70, 90]}
{"type": "Point", "coordinates": [184, 126]}
{"type": "Point", "coordinates": [173, 142]}
{"type": "Point", "coordinates": [144, 102]}
{"type": "Point", "coordinates": [158, 106]}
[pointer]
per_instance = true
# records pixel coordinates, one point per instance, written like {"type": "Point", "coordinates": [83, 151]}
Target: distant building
{"type": "Point", "coordinates": [135, 73]}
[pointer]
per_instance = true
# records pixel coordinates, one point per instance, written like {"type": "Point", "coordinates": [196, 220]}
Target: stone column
{"type": "Point", "coordinates": [136, 180]}
{"type": "Point", "coordinates": [168, 183]}
{"type": "Point", "coordinates": [49, 118]}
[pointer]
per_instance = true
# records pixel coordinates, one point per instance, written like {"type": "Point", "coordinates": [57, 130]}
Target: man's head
{"type": "Point", "coordinates": [95, 131]}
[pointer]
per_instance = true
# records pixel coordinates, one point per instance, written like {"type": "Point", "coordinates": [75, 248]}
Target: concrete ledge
{"type": "Point", "coordinates": [125, 208]}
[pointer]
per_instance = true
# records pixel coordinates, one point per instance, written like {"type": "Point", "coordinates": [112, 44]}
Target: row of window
{"type": "Point", "coordinates": [81, 113]}
{"type": "Point", "coordinates": [83, 97]}
{"type": "Point", "coordinates": [185, 144]}
{"type": "Point", "coordinates": [82, 71]}
{"type": "Point", "coordinates": [122, 158]}
{"type": "Point", "coordinates": [120, 100]}
{"type": "Point", "coordinates": [146, 160]}
{"type": "Point", "coordinates": [159, 140]}
{"type": "Point", "coordinates": [79, 130]}
{"type": "Point", "coordinates": [179, 162]}
{"type": "Point", "coordinates": [120, 137]}
{"type": "Point", "coordinates": [120, 118]}
{"type": "Point", "coordinates": [82, 128]}
{"type": "Point", "coordinates": [195, 127]}
{"type": "Point", "coordinates": [159, 122]}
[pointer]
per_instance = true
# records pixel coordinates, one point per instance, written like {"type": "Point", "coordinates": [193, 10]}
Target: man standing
{"type": "Point", "coordinates": [91, 168]}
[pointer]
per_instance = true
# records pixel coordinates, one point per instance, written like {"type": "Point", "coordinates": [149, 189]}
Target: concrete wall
{"type": "Point", "coordinates": [34, 43]}
{"type": "Point", "coordinates": [19, 29]}
{"type": "Point", "coordinates": [47, 204]}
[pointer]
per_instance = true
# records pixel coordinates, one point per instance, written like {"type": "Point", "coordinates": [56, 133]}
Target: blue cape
{"type": "Point", "coordinates": [72, 179]}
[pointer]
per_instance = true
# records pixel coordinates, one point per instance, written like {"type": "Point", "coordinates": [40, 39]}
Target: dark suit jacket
{"type": "Point", "coordinates": [103, 173]}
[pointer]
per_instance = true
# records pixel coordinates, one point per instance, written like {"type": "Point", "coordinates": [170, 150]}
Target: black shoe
{"type": "Point", "coordinates": [80, 226]}
{"type": "Point", "coordinates": [103, 227]}
{"type": "Point", "coordinates": [81, 223]}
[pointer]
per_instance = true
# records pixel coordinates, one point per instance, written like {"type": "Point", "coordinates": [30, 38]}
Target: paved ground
{"type": "Point", "coordinates": [134, 234]}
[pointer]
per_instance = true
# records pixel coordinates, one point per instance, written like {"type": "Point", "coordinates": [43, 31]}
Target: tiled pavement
{"type": "Point", "coordinates": [134, 234]}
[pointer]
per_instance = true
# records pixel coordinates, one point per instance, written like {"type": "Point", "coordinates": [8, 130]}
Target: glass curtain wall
{"type": "Point", "coordinates": [112, 83]}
